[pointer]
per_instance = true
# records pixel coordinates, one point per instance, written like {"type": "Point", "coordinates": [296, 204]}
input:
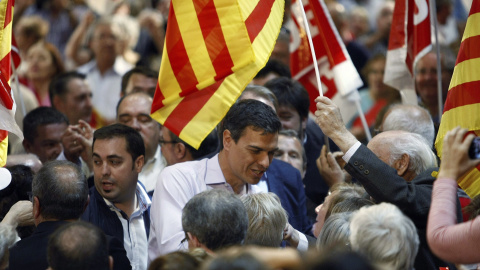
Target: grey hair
{"type": "Point", "coordinates": [335, 231]}
{"type": "Point", "coordinates": [261, 92]}
{"type": "Point", "coordinates": [416, 147]}
{"type": "Point", "coordinates": [8, 235]}
{"type": "Point", "coordinates": [217, 218]}
{"type": "Point", "coordinates": [385, 236]}
{"type": "Point", "coordinates": [267, 219]}
{"type": "Point", "coordinates": [411, 118]}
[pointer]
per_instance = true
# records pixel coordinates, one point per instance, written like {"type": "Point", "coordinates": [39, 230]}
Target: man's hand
{"type": "Point", "coordinates": [455, 159]}
{"type": "Point", "coordinates": [291, 235]}
{"type": "Point", "coordinates": [328, 167]}
{"type": "Point", "coordinates": [329, 119]}
{"type": "Point", "coordinates": [20, 214]}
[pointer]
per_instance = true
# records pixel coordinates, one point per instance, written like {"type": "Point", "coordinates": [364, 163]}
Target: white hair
{"type": "Point", "coordinates": [8, 235]}
{"type": "Point", "coordinates": [416, 147]}
{"type": "Point", "coordinates": [266, 219]}
{"type": "Point", "coordinates": [410, 118]}
{"type": "Point", "coordinates": [385, 236]}
{"type": "Point", "coordinates": [335, 231]}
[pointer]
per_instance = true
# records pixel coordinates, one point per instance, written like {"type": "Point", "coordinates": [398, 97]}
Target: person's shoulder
{"type": "Point", "coordinates": [87, 67]}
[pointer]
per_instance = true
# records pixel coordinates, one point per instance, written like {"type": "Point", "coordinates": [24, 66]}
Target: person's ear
{"type": "Point", "coordinates": [58, 104]}
{"type": "Point", "coordinates": [402, 164]}
{"type": "Point", "coordinates": [110, 262]}
{"type": "Point", "coordinates": [304, 124]}
{"type": "Point", "coordinates": [193, 241]}
{"type": "Point", "coordinates": [36, 208]}
{"type": "Point", "coordinates": [27, 146]}
{"type": "Point", "coordinates": [227, 139]}
{"type": "Point", "coordinates": [180, 151]}
{"type": "Point", "coordinates": [139, 162]}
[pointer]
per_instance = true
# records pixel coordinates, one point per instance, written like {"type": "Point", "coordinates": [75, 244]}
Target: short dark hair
{"type": "Point", "coordinates": [58, 86]}
{"type": "Point", "coordinates": [41, 116]}
{"type": "Point", "coordinates": [290, 133]}
{"type": "Point", "coordinates": [149, 73]}
{"type": "Point", "coordinates": [260, 91]}
{"type": "Point", "coordinates": [78, 246]}
{"type": "Point", "coordinates": [209, 145]}
{"type": "Point", "coordinates": [133, 139]}
{"type": "Point", "coordinates": [61, 189]}
{"type": "Point", "coordinates": [290, 93]}
{"type": "Point", "coordinates": [217, 218]}
{"type": "Point", "coordinates": [249, 113]}
{"type": "Point", "coordinates": [274, 66]}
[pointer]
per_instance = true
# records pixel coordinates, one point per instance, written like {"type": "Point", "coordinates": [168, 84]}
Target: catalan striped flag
{"type": "Point", "coordinates": [213, 49]}
{"type": "Point", "coordinates": [7, 104]}
{"type": "Point", "coordinates": [462, 107]}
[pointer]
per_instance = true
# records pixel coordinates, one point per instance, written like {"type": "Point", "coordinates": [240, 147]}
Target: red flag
{"type": "Point", "coordinates": [334, 63]}
{"type": "Point", "coordinates": [410, 40]}
{"type": "Point", "coordinates": [462, 107]}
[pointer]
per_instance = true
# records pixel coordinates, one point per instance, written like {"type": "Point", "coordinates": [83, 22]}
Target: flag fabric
{"type": "Point", "coordinates": [462, 106]}
{"type": "Point", "coordinates": [213, 49]}
{"type": "Point", "coordinates": [338, 75]}
{"type": "Point", "coordinates": [7, 104]}
{"type": "Point", "coordinates": [410, 39]}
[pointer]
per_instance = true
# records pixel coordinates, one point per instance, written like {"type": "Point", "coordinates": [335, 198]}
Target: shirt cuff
{"type": "Point", "coordinates": [351, 151]}
{"type": "Point", "coordinates": [302, 242]}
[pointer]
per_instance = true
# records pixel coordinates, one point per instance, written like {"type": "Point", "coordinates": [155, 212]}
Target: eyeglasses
{"type": "Point", "coordinates": [162, 141]}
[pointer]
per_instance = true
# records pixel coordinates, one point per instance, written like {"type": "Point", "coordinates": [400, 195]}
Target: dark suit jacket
{"type": "Point", "coordinates": [31, 252]}
{"type": "Point", "coordinates": [384, 185]}
{"type": "Point", "coordinates": [285, 181]}
{"type": "Point", "coordinates": [315, 187]}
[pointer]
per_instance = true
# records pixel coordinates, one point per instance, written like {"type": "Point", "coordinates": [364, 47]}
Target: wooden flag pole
{"type": "Point", "coordinates": [433, 16]}
{"type": "Point", "coordinates": [315, 64]}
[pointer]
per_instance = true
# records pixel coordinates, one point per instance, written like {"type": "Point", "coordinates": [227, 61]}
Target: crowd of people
{"type": "Point", "coordinates": [97, 183]}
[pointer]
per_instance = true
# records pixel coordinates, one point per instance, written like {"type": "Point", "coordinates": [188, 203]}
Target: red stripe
{"type": "Point", "coordinates": [468, 49]}
{"type": "Point", "coordinates": [157, 99]}
{"type": "Point", "coordinates": [463, 94]}
{"type": "Point", "coordinates": [5, 67]}
{"type": "Point", "coordinates": [189, 107]}
{"type": "Point", "coordinates": [15, 53]}
{"type": "Point", "coordinates": [214, 39]}
{"type": "Point", "coordinates": [257, 19]}
{"type": "Point", "coordinates": [475, 7]}
{"type": "Point", "coordinates": [5, 95]}
{"type": "Point", "coordinates": [178, 56]}
{"type": "Point", "coordinates": [3, 134]}
{"type": "Point", "coordinates": [8, 14]}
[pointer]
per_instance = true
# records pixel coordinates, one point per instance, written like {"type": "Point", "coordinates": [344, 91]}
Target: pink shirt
{"type": "Point", "coordinates": [457, 243]}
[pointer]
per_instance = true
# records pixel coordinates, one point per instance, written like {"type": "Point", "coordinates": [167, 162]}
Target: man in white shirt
{"type": "Point", "coordinates": [248, 135]}
{"type": "Point", "coordinates": [133, 110]}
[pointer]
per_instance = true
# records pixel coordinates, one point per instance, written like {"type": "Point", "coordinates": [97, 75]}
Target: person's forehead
{"type": "Point", "coordinates": [135, 104]}
{"type": "Point", "coordinates": [77, 86]}
{"type": "Point", "coordinates": [50, 131]}
{"type": "Point", "coordinates": [286, 108]}
{"type": "Point", "coordinates": [289, 142]}
{"type": "Point", "coordinates": [111, 146]}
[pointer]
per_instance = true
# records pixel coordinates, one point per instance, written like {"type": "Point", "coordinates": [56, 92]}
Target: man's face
{"type": "Point", "coordinates": [291, 119]}
{"type": "Point", "coordinates": [47, 145]}
{"type": "Point", "coordinates": [290, 150]}
{"type": "Point", "coordinates": [141, 83]}
{"type": "Point", "coordinates": [168, 148]}
{"type": "Point", "coordinates": [134, 111]}
{"type": "Point", "coordinates": [105, 43]}
{"type": "Point", "coordinates": [77, 102]}
{"type": "Point", "coordinates": [115, 173]}
{"type": "Point", "coordinates": [249, 158]}
{"type": "Point", "coordinates": [426, 79]}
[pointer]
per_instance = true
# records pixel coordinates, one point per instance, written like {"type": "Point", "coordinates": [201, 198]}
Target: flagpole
{"type": "Point", "coordinates": [364, 121]}
{"type": "Point", "coordinates": [315, 64]}
{"type": "Point", "coordinates": [17, 86]}
{"type": "Point", "coordinates": [433, 12]}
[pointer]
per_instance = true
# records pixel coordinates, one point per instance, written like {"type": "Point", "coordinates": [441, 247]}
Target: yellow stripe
{"type": "Point", "coordinates": [219, 104]}
{"type": "Point", "coordinates": [170, 89]}
{"type": "Point", "coordinates": [3, 151]}
{"type": "Point", "coordinates": [470, 183]}
{"type": "Point", "coordinates": [247, 7]}
{"type": "Point", "coordinates": [194, 42]}
{"type": "Point", "coordinates": [6, 42]}
{"type": "Point", "coordinates": [235, 33]}
{"type": "Point", "coordinates": [472, 28]}
{"type": "Point", "coordinates": [466, 71]}
{"type": "Point", "coordinates": [465, 116]}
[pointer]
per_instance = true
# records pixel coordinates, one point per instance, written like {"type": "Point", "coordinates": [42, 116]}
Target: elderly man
{"type": "Point", "coordinates": [60, 194]}
{"type": "Point", "coordinates": [249, 134]}
{"type": "Point", "coordinates": [119, 205]}
{"type": "Point", "coordinates": [397, 167]}
{"type": "Point", "coordinates": [133, 110]}
{"type": "Point", "coordinates": [213, 220]}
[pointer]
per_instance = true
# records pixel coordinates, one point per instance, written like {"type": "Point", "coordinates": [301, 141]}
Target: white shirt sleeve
{"type": "Point", "coordinates": [302, 243]}
{"type": "Point", "coordinates": [351, 151]}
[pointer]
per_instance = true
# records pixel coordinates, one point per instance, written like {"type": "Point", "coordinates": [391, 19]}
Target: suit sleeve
{"type": "Point", "coordinates": [383, 184]}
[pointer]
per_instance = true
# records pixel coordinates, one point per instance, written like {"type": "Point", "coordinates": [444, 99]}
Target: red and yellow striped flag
{"type": "Point", "coordinates": [7, 104]}
{"type": "Point", "coordinates": [213, 49]}
{"type": "Point", "coordinates": [462, 107]}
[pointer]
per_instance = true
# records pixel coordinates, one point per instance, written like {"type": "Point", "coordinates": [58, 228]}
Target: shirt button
{"type": "Point", "coordinates": [366, 171]}
{"type": "Point", "coordinates": [355, 163]}
{"type": "Point", "coordinates": [360, 167]}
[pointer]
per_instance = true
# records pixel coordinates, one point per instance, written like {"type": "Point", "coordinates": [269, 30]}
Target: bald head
{"type": "Point", "coordinates": [408, 153]}
{"type": "Point", "coordinates": [411, 118]}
